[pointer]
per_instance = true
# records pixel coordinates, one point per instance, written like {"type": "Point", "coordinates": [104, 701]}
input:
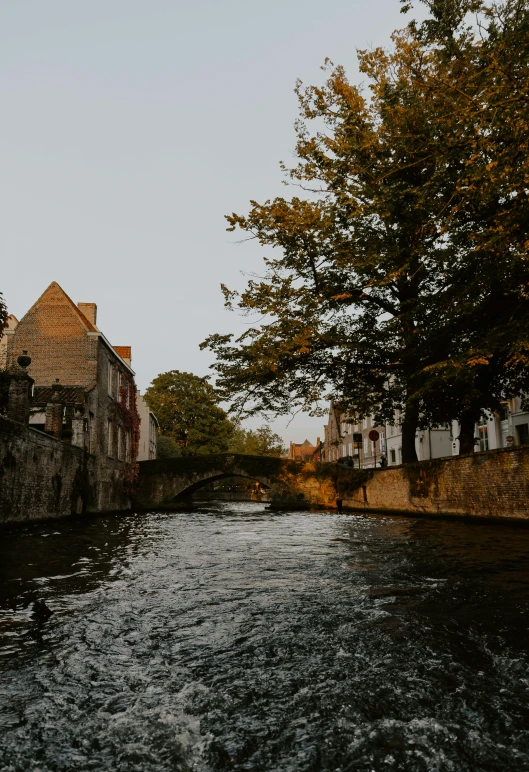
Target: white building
{"type": "Point", "coordinates": [504, 429]}
{"type": "Point", "coordinates": [507, 428]}
{"type": "Point", "coordinates": [429, 443]}
{"type": "Point", "coordinates": [148, 431]}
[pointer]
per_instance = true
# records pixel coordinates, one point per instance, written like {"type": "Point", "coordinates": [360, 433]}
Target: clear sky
{"type": "Point", "coordinates": [129, 128]}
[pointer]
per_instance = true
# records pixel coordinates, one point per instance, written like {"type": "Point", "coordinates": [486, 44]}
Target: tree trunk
{"type": "Point", "coordinates": [409, 428]}
{"type": "Point", "coordinates": [467, 424]}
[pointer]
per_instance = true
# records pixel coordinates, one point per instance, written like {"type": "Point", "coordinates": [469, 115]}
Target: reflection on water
{"type": "Point", "coordinates": [231, 638]}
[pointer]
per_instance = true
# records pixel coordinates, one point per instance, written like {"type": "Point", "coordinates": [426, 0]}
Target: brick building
{"type": "Point", "coordinates": [75, 368]}
{"type": "Point", "coordinates": [304, 451]}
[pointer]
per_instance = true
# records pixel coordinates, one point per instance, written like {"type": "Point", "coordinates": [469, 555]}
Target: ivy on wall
{"type": "Point", "coordinates": [127, 412]}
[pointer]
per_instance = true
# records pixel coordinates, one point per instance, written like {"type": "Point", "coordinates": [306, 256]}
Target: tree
{"type": "Point", "coordinates": [5, 378]}
{"type": "Point", "coordinates": [256, 442]}
{"type": "Point", "coordinates": [477, 80]}
{"type": "Point", "coordinates": [167, 448]}
{"type": "Point", "coordinates": [347, 303]}
{"type": "Point", "coordinates": [188, 412]}
{"type": "Point", "coordinates": [397, 284]}
{"type": "Point", "coordinates": [3, 315]}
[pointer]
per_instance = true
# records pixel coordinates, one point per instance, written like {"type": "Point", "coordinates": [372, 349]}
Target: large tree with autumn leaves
{"type": "Point", "coordinates": [399, 278]}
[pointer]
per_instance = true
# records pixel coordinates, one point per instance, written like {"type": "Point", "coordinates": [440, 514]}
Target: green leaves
{"type": "Point", "coordinates": [257, 442]}
{"type": "Point", "coordinates": [188, 412]}
{"type": "Point", "coordinates": [401, 278]}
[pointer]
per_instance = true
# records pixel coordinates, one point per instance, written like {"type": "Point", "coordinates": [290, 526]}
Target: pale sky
{"type": "Point", "coordinates": [129, 128]}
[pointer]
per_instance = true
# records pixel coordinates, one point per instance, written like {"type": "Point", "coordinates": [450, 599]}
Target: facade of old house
{"type": "Point", "coordinates": [429, 443]}
{"type": "Point", "coordinates": [339, 443]}
{"type": "Point", "coordinates": [507, 428]}
{"type": "Point", "coordinates": [304, 451]}
{"type": "Point", "coordinates": [84, 391]}
{"type": "Point", "coordinates": [148, 431]}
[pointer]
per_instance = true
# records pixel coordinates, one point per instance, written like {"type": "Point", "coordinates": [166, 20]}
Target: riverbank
{"type": "Point", "coordinates": [492, 485]}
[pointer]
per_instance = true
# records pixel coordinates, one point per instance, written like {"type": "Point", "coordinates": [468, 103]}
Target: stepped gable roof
{"type": "Point", "coordinates": [56, 288]}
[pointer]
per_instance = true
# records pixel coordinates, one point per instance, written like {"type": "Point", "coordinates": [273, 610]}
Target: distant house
{"type": "Point", "coordinates": [429, 443]}
{"type": "Point", "coordinates": [148, 431]}
{"type": "Point", "coordinates": [74, 366]}
{"type": "Point", "coordinates": [505, 428]}
{"type": "Point", "coordinates": [339, 441]}
{"type": "Point", "coordinates": [304, 451]}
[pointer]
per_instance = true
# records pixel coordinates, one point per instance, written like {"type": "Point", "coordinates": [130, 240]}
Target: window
{"type": "Point", "coordinates": [350, 448]}
{"type": "Point", "coordinates": [483, 434]}
{"type": "Point", "coordinates": [91, 438]}
{"type": "Point", "coordinates": [522, 431]}
{"type": "Point", "coordinates": [120, 383]}
{"type": "Point", "coordinates": [366, 446]}
{"type": "Point", "coordinates": [120, 443]}
{"type": "Point", "coordinates": [503, 412]}
{"type": "Point", "coordinates": [392, 456]}
{"type": "Point", "coordinates": [365, 423]}
{"type": "Point", "coordinates": [111, 379]}
{"type": "Point", "coordinates": [110, 438]}
{"type": "Point", "coordinates": [127, 446]}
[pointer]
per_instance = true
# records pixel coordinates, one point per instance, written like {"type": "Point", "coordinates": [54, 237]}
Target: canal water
{"type": "Point", "coordinates": [232, 638]}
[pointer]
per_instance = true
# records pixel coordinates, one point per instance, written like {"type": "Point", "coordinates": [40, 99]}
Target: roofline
{"type": "Point", "coordinates": [99, 334]}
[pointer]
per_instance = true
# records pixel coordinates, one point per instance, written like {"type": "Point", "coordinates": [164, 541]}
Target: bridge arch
{"type": "Point", "coordinates": [193, 487]}
{"type": "Point", "coordinates": [164, 480]}
{"type": "Point", "coordinates": [312, 484]}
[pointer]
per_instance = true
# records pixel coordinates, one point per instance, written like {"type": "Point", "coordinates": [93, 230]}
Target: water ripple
{"type": "Point", "coordinates": [230, 638]}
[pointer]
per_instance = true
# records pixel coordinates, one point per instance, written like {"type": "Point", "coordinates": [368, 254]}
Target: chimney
{"type": "Point", "coordinates": [54, 410]}
{"type": "Point", "coordinates": [124, 352]}
{"type": "Point", "coordinates": [89, 310]}
{"type": "Point", "coordinates": [78, 430]}
{"type": "Point", "coordinates": [18, 406]}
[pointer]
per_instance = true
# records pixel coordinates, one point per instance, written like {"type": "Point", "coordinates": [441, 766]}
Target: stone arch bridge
{"type": "Point", "coordinates": [164, 483]}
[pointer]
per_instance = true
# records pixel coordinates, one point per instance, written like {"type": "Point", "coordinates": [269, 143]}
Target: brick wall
{"type": "Point", "coordinates": [41, 477]}
{"type": "Point", "coordinates": [494, 484]}
{"type": "Point", "coordinates": [57, 338]}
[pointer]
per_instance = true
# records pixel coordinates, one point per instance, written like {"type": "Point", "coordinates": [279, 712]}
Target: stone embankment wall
{"type": "Point", "coordinates": [42, 477]}
{"type": "Point", "coordinates": [493, 484]}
